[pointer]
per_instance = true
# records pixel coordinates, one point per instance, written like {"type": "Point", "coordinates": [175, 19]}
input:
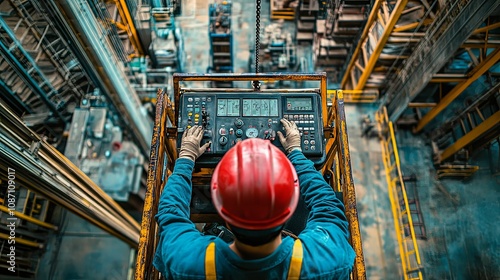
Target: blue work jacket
{"type": "Point", "coordinates": [181, 248]}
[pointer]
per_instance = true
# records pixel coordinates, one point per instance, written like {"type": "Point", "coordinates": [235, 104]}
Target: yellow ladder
{"type": "Point", "coordinates": [403, 223]}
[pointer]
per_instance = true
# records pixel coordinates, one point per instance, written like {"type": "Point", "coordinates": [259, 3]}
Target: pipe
{"type": "Point", "coordinates": [22, 241]}
{"type": "Point", "coordinates": [27, 218]}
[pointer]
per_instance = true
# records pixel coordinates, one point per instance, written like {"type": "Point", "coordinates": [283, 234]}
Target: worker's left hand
{"type": "Point", "coordinates": [190, 145]}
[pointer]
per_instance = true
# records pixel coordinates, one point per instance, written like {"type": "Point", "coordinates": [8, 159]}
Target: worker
{"type": "Point", "coordinates": [255, 189]}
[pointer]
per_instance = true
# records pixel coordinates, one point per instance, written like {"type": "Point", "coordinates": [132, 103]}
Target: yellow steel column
{"type": "Point", "coordinates": [369, 22]}
{"type": "Point", "coordinates": [458, 89]}
{"type": "Point", "coordinates": [396, 13]}
{"type": "Point", "coordinates": [471, 136]}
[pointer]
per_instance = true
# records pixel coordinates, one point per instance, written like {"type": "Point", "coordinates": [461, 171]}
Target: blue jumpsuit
{"type": "Point", "coordinates": [326, 252]}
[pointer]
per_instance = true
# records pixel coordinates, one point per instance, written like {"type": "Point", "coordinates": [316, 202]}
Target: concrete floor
{"type": "Point", "coordinates": [83, 251]}
{"type": "Point", "coordinates": [463, 236]}
{"type": "Point", "coordinates": [374, 208]}
{"type": "Point", "coordinates": [460, 215]}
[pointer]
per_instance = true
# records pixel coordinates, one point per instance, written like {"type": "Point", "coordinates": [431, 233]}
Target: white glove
{"type": "Point", "coordinates": [291, 141]}
{"type": "Point", "coordinates": [190, 143]}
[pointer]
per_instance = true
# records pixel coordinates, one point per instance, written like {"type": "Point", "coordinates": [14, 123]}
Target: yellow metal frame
{"type": "Point", "coordinates": [455, 170]}
{"type": "Point", "coordinates": [285, 13]}
{"type": "Point", "coordinates": [356, 96]}
{"type": "Point", "coordinates": [477, 72]}
{"type": "Point", "coordinates": [164, 151]}
{"type": "Point", "coordinates": [127, 25]}
{"type": "Point", "coordinates": [379, 11]}
{"type": "Point", "coordinates": [408, 247]}
{"type": "Point", "coordinates": [468, 138]}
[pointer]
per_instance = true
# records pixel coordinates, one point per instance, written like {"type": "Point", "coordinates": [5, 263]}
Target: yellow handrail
{"type": "Point", "coordinates": [408, 247]}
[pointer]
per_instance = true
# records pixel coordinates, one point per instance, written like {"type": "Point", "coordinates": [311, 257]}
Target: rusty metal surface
{"type": "Point", "coordinates": [348, 190]}
{"type": "Point", "coordinates": [144, 266]}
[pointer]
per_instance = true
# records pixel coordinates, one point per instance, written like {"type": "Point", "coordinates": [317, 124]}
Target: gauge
{"type": "Point", "coordinates": [252, 132]}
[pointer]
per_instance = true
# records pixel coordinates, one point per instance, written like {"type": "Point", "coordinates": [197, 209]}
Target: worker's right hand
{"type": "Point", "coordinates": [190, 144]}
{"type": "Point", "coordinates": [291, 140]}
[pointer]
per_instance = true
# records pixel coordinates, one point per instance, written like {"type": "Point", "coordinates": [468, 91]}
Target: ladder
{"type": "Point", "coordinates": [403, 220]}
{"type": "Point", "coordinates": [414, 206]}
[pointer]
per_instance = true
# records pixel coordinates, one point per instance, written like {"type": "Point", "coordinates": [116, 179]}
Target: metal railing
{"type": "Point", "coordinates": [403, 223]}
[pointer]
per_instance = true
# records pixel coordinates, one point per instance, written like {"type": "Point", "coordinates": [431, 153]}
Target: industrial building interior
{"type": "Point", "coordinates": [420, 81]}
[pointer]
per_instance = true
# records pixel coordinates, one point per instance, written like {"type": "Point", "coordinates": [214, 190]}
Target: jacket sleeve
{"type": "Point", "coordinates": [175, 229]}
{"type": "Point", "coordinates": [326, 210]}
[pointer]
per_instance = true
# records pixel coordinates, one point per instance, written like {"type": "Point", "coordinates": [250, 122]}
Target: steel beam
{"type": "Point", "coordinates": [411, 26]}
{"type": "Point", "coordinates": [369, 22]}
{"type": "Point", "coordinates": [389, 26]}
{"type": "Point", "coordinates": [48, 173]}
{"type": "Point", "coordinates": [477, 72]}
{"type": "Point", "coordinates": [486, 28]}
{"type": "Point", "coordinates": [448, 78]}
{"type": "Point", "coordinates": [474, 134]}
{"type": "Point", "coordinates": [447, 34]}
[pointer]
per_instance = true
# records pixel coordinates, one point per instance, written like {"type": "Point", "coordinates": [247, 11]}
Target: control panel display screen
{"type": "Point", "coordinates": [299, 104]}
{"type": "Point", "coordinates": [228, 107]}
{"type": "Point", "coordinates": [260, 107]}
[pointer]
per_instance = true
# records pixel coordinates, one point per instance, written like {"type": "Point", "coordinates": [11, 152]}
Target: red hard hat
{"type": "Point", "coordinates": [255, 186]}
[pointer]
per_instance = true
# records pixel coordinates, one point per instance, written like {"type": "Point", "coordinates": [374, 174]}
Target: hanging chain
{"type": "Point", "coordinates": [256, 84]}
{"type": "Point", "coordinates": [257, 36]}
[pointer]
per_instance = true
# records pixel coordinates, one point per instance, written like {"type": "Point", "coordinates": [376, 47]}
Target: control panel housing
{"type": "Point", "coordinates": [228, 118]}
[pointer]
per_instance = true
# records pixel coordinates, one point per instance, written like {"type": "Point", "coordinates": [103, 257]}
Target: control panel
{"type": "Point", "coordinates": [228, 118]}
